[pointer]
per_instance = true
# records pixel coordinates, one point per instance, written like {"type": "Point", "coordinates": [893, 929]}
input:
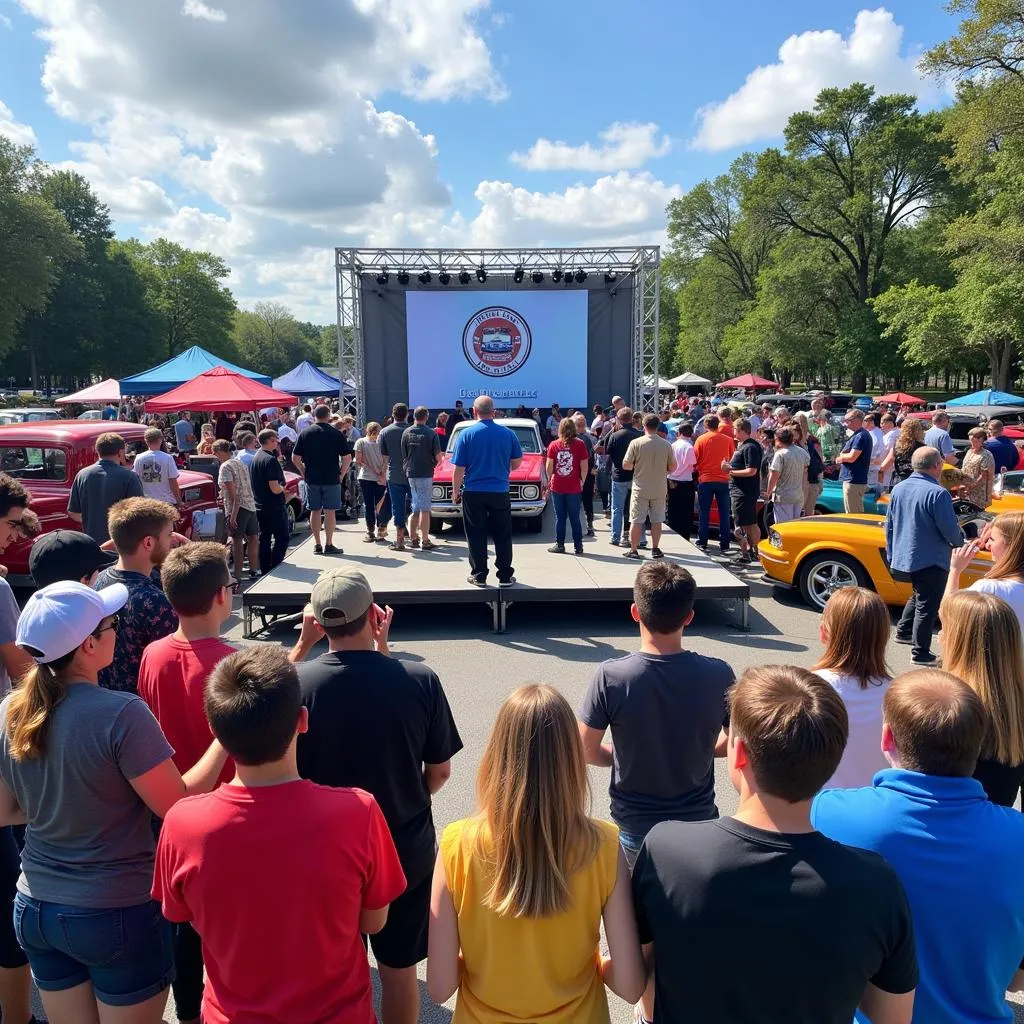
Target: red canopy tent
{"type": "Point", "coordinates": [219, 390]}
{"type": "Point", "coordinates": [748, 380]}
{"type": "Point", "coordinates": [902, 398]}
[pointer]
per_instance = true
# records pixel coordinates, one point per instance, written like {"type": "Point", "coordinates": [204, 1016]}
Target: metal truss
{"type": "Point", "coordinates": [641, 265]}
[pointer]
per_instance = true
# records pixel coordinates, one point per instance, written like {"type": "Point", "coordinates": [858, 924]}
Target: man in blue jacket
{"type": "Point", "coordinates": [1003, 450]}
{"type": "Point", "coordinates": [956, 853]}
{"type": "Point", "coordinates": [921, 531]}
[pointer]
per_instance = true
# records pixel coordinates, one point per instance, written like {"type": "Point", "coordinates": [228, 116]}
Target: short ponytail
{"type": "Point", "coordinates": [30, 706]}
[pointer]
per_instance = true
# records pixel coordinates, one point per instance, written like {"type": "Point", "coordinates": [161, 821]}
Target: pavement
{"type": "Point", "coordinates": [561, 644]}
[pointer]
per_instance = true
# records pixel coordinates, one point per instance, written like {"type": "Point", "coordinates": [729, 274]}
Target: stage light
{"type": "Point", "coordinates": [537, 276]}
{"type": "Point", "coordinates": [444, 277]}
{"type": "Point", "coordinates": [463, 276]}
{"type": "Point", "coordinates": [519, 274]}
{"type": "Point", "coordinates": [556, 275]}
{"type": "Point", "coordinates": [382, 277]}
{"type": "Point", "coordinates": [481, 274]}
{"type": "Point", "coordinates": [610, 277]}
{"type": "Point", "coordinates": [581, 276]}
{"type": "Point", "coordinates": [424, 277]}
{"type": "Point", "coordinates": [403, 277]}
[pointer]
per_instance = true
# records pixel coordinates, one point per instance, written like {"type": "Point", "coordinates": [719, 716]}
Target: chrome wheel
{"type": "Point", "coordinates": [823, 575]}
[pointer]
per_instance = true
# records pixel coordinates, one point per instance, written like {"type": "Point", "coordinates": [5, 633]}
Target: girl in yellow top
{"type": "Point", "coordinates": [522, 887]}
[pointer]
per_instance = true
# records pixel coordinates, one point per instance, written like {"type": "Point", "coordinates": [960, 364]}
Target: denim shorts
{"type": "Point", "coordinates": [323, 496]}
{"type": "Point", "coordinates": [420, 486]}
{"type": "Point", "coordinates": [126, 952]}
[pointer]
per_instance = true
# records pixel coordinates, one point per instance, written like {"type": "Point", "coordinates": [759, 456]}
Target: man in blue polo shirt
{"type": "Point", "coordinates": [855, 459]}
{"type": "Point", "coordinates": [957, 854]}
{"type": "Point", "coordinates": [1003, 450]}
{"type": "Point", "coordinates": [484, 455]}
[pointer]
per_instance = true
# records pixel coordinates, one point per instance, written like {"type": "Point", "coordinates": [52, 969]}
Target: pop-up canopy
{"type": "Point", "coordinates": [748, 380]}
{"type": "Point", "coordinates": [184, 367]}
{"type": "Point", "coordinates": [308, 381]}
{"type": "Point", "coordinates": [107, 391]}
{"type": "Point", "coordinates": [689, 380]}
{"type": "Point", "coordinates": [987, 396]}
{"type": "Point", "coordinates": [220, 390]}
{"type": "Point", "coordinates": [902, 398]}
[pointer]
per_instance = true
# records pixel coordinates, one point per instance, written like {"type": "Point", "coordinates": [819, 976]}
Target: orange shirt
{"type": "Point", "coordinates": [726, 427]}
{"type": "Point", "coordinates": [710, 449]}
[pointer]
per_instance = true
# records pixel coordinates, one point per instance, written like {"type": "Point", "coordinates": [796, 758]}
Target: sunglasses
{"type": "Point", "coordinates": [232, 585]}
{"type": "Point", "coordinates": [115, 621]}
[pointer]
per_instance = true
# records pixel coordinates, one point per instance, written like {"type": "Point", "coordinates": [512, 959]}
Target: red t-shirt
{"type": "Point", "coordinates": [172, 675]}
{"type": "Point", "coordinates": [568, 460]}
{"type": "Point", "coordinates": [273, 879]}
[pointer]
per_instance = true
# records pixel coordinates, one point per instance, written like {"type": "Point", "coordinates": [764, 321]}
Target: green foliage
{"type": "Point", "coordinates": [270, 337]}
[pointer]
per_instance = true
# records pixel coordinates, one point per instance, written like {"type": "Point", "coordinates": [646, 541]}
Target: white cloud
{"type": "Point", "coordinates": [197, 9]}
{"type": "Point", "coordinates": [19, 133]}
{"type": "Point", "coordinates": [624, 146]}
{"type": "Point", "coordinates": [808, 63]}
{"type": "Point", "coordinates": [5, 22]}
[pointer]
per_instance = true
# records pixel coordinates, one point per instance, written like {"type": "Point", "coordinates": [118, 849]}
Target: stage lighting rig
{"type": "Point", "coordinates": [537, 276]}
{"type": "Point", "coordinates": [424, 277]}
{"type": "Point", "coordinates": [463, 276]}
{"type": "Point", "coordinates": [382, 277]}
{"type": "Point", "coordinates": [403, 277]}
{"type": "Point", "coordinates": [481, 274]}
{"type": "Point", "coordinates": [556, 275]}
{"type": "Point", "coordinates": [444, 277]}
{"type": "Point", "coordinates": [519, 274]}
{"type": "Point", "coordinates": [581, 276]}
{"type": "Point", "coordinates": [610, 277]}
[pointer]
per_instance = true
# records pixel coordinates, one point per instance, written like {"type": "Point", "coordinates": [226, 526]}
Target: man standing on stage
{"type": "Point", "coordinates": [484, 455]}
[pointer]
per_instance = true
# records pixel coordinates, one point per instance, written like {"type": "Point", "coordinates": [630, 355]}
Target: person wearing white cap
{"type": "Point", "coordinates": [86, 768]}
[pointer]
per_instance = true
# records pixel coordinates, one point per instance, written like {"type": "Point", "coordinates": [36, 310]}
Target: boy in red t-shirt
{"type": "Point", "coordinates": [280, 877]}
{"type": "Point", "coordinates": [172, 676]}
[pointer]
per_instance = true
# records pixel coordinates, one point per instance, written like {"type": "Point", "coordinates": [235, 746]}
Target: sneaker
{"type": "Point", "coordinates": [903, 639]}
{"type": "Point", "coordinates": [557, 549]}
{"type": "Point", "coordinates": [330, 549]}
{"type": "Point", "coordinates": [614, 542]}
{"type": "Point", "coordinates": [590, 532]}
{"type": "Point", "coordinates": [476, 581]}
{"type": "Point", "coordinates": [631, 554]}
{"type": "Point", "coordinates": [254, 574]}
{"type": "Point", "coordinates": [318, 549]}
{"type": "Point", "coordinates": [510, 582]}
{"type": "Point", "coordinates": [657, 553]}
{"type": "Point", "coordinates": [579, 550]}
{"type": "Point", "coordinates": [701, 547]}
{"type": "Point", "coordinates": [927, 658]}
{"type": "Point", "coordinates": [642, 544]}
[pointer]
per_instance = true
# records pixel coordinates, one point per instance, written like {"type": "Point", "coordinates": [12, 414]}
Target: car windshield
{"type": "Point", "coordinates": [527, 437]}
{"type": "Point", "coordinates": [25, 463]}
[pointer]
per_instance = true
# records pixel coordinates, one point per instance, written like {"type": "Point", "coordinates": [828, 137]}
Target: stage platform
{"type": "Point", "coordinates": [439, 576]}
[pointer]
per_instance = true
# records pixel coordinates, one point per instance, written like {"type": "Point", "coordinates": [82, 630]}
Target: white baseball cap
{"type": "Point", "coordinates": [58, 618]}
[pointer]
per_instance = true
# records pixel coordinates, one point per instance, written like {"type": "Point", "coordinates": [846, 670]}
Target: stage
{"type": "Point", "coordinates": [439, 576]}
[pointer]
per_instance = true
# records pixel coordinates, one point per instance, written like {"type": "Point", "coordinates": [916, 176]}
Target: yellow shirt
{"type": "Point", "coordinates": [529, 969]}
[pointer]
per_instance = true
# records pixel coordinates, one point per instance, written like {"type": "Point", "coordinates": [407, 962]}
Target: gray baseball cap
{"type": "Point", "coordinates": [340, 596]}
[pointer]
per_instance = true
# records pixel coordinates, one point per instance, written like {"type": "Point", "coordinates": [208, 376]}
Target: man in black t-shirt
{"type": "Point", "coordinates": [382, 725]}
{"type": "Point", "coordinates": [744, 489]}
{"type": "Point", "coordinates": [267, 479]}
{"type": "Point", "coordinates": [322, 456]}
{"type": "Point", "coordinates": [615, 446]}
{"type": "Point", "coordinates": [759, 917]}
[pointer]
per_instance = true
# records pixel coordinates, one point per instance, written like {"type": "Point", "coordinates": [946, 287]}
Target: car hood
{"type": "Point", "coordinates": [530, 468]}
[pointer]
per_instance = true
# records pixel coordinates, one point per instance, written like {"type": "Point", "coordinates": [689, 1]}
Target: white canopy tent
{"type": "Point", "coordinates": [663, 385]}
{"type": "Point", "coordinates": [689, 380]}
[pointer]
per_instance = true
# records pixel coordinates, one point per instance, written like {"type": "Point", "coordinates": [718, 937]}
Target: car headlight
{"type": "Point", "coordinates": [531, 492]}
{"type": "Point", "coordinates": [775, 539]}
{"type": "Point", "coordinates": [436, 493]}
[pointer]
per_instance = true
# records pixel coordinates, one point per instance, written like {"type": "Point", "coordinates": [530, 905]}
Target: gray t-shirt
{"type": "Point", "coordinates": [791, 464]}
{"type": "Point", "coordinates": [420, 444]}
{"type": "Point", "coordinates": [390, 441]}
{"type": "Point", "coordinates": [89, 841]}
{"type": "Point", "coordinates": [9, 613]}
{"type": "Point", "coordinates": [665, 712]}
{"type": "Point", "coordinates": [95, 489]}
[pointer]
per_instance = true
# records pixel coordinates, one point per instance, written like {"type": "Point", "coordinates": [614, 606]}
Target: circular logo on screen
{"type": "Point", "coordinates": [496, 341]}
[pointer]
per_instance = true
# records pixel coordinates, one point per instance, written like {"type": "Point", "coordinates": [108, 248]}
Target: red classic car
{"type": "Point", "coordinates": [47, 455]}
{"type": "Point", "coordinates": [528, 485]}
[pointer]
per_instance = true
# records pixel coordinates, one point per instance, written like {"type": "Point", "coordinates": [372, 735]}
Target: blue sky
{"type": "Point", "coordinates": [271, 130]}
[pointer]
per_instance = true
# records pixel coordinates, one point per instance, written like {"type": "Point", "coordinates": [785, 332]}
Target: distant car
{"type": "Point", "coordinates": [528, 485]}
{"type": "Point", "coordinates": [27, 415]}
{"type": "Point", "coordinates": [91, 414]}
{"type": "Point", "coordinates": [831, 500]}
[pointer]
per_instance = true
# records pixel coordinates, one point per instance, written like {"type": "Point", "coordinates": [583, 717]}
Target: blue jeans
{"type": "Point", "coordinates": [631, 847]}
{"type": "Point", "coordinates": [399, 494]}
{"type": "Point", "coordinates": [567, 506]}
{"type": "Point", "coordinates": [125, 952]}
{"type": "Point", "coordinates": [620, 488]}
{"type": "Point", "coordinates": [719, 493]}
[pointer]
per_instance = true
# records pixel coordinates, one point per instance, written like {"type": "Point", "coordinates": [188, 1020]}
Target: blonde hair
{"type": "Point", "coordinates": [373, 427]}
{"type": "Point", "coordinates": [30, 708]}
{"type": "Point", "coordinates": [800, 418]}
{"type": "Point", "coordinates": [1011, 565]}
{"type": "Point", "coordinates": [566, 430]}
{"type": "Point", "coordinates": [206, 430]}
{"type": "Point", "coordinates": [912, 430]}
{"type": "Point", "coordinates": [981, 643]}
{"type": "Point", "coordinates": [534, 793]}
{"type": "Point", "coordinates": [857, 623]}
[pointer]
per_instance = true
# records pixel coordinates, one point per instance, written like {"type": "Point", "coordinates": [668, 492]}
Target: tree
{"type": "Point", "coordinates": [35, 241]}
{"type": "Point", "coordinates": [269, 338]}
{"type": "Point", "coordinates": [183, 287]}
{"type": "Point", "coordinates": [707, 306]}
{"type": "Point", "coordinates": [856, 167]}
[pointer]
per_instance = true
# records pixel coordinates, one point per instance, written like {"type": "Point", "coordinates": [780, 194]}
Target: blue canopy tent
{"type": "Point", "coordinates": [986, 397]}
{"type": "Point", "coordinates": [179, 370]}
{"type": "Point", "coordinates": [307, 381]}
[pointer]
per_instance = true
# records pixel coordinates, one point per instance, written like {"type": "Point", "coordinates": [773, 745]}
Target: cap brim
{"type": "Point", "coordinates": [105, 560]}
{"type": "Point", "coordinates": [114, 598]}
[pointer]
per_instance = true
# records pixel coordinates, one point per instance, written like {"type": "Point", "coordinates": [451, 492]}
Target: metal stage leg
{"type": "Point", "coordinates": [745, 615]}
{"type": "Point", "coordinates": [247, 621]}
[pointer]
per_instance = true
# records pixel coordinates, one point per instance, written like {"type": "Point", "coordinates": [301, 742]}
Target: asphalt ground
{"type": "Point", "coordinates": [561, 644]}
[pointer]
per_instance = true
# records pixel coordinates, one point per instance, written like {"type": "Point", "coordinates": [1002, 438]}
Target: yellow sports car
{"type": "Point", "coordinates": [819, 554]}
